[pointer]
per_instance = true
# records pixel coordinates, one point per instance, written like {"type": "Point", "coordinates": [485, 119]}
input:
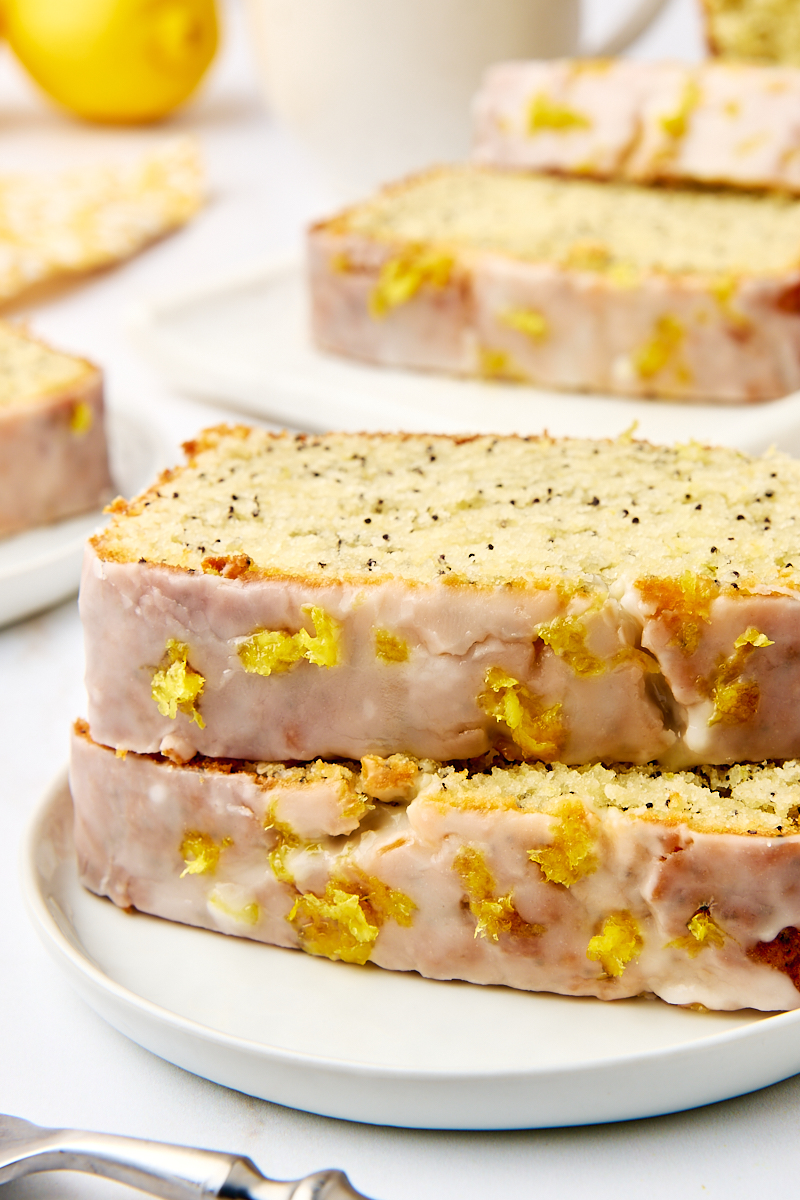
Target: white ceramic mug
{"type": "Point", "coordinates": [377, 88]}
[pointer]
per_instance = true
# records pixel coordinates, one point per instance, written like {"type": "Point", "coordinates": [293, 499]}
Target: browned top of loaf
{"type": "Point", "coordinates": [31, 371]}
{"type": "Point", "coordinates": [678, 231]}
{"type": "Point", "coordinates": [763, 31]}
{"type": "Point", "coordinates": [482, 511]}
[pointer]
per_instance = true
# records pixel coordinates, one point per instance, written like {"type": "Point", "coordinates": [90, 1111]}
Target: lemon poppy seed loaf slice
{"type": "Point", "coordinates": [566, 283]}
{"type": "Point", "coordinates": [53, 456]}
{"type": "Point", "coordinates": [731, 124]}
{"type": "Point", "coordinates": [766, 31]}
{"type": "Point", "coordinates": [585, 881]}
{"type": "Point", "coordinates": [284, 598]}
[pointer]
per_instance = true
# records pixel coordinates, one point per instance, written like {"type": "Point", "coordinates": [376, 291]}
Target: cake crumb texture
{"type": "Point", "coordinates": [686, 886]}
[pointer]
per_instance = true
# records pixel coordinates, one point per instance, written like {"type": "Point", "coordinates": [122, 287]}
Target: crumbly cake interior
{"type": "Point", "coordinates": [749, 798]}
{"type": "Point", "coordinates": [30, 370]}
{"type": "Point", "coordinates": [485, 510]}
{"type": "Point", "coordinates": [564, 220]}
{"type": "Point", "coordinates": [759, 30]}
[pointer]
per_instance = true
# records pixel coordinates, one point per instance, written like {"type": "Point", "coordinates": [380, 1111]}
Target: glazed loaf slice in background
{"type": "Point", "coordinates": [566, 283]}
{"type": "Point", "coordinates": [757, 30]}
{"type": "Point", "coordinates": [731, 124]}
{"type": "Point", "coordinates": [53, 454]}
{"type": "Point", "coordinates": [588, 882]}
{"type": "Point", "coordinates": [285, 598]}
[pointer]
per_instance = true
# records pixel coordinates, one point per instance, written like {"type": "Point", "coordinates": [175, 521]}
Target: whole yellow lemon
{"type": "Point", "coordinates": [119, 61]}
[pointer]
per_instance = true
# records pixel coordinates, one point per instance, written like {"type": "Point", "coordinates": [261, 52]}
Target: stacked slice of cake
{"type": "Point", "coordinates": [350, 693]}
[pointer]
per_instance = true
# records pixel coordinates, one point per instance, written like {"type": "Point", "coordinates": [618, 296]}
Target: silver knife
{"type": "Point", "coordinates": [171, 1172]}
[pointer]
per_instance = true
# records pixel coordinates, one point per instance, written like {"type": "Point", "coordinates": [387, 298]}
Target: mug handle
{"type": "Point", "coordinates": [628, 31]}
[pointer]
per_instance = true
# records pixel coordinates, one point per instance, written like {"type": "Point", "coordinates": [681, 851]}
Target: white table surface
{"type": "Point", "coordinates": [59, 1063]}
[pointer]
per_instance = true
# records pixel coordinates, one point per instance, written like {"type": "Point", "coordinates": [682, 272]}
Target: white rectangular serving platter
{"type": "Point", "coordinates": [244, 342]}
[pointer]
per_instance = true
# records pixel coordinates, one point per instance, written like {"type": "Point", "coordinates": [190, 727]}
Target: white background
{"type": "Point", "coordinates": [59, 1063]}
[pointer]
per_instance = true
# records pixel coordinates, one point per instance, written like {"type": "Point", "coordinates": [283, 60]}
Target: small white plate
{"type": "Point", "coordinates": [379, 1046]}
{"type": "Point", "coordinates": [244, 342]}
{"type": "Point", "coordinates": [40, 567]}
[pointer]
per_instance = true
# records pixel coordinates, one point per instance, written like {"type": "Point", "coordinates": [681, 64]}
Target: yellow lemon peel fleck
{"type": "Point", "coordinates": [570, 856]}
{"type": "Point", "coordinates": [588, 254]}
{"type": "Point", "coordinates": [178, 687]}
{"type": "Point", "coordinates": [538, 731]}
{"type": "Point", "coordinates": [498, 364]}
{"type": "Point", "coordinates": [402, 277]}
{"type": "Point", "coordinates": [380, 902]}
{"type": "Point", "coordinates": [676, 124]}
{"type": "Point", "coordinates": [333, 925]}
{"type": "Point", "coordinates": [703, 931]}
{"type": "Point", "coordinates": [723, 289]}
{"type": "Point", "coordinates": [680, 604]}
{"type": "Point", "coordinates": [623, 274]}
{"type": "Point", "coordinates": [493, 914]}
{"type": "Point", "coordinates": [286, 840]}
{"type": "Point", "coordinates": [619, 942]}
{"type": "Point", "coordinates": [566, 637]}
{"type": "Point", "coordinates": [200, 852]}
{"type": "Point", "coordinates": [735, 699]}
{"type": "Point", "coordinates": [389, 648]}
{"type": "Point", "coordinates": [272, 652]}
{"type": "Point", "coordinates": [662, 349]}
{"type": "Point", "coordinates": [247, 914]}
{"type": "Point", "coordinates": [752, 637]}
{"type": "Point", "coordinates": [526, 320]}
{"type": "Point", "coordinates": [81, 418]}
{"type": "Point", "coordinates": [546, 115]}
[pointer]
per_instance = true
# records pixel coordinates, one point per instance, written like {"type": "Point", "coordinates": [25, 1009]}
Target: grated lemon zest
{"type": "Point", "coordinates": [538, 731]}
{"type": "Point", "coordinates": [272, 651]}
{"type": "Point", "coordinates": [287, 839]}
{"type": "Point", "coordinates": [703, 931]}
{"type": "Point", "coordinates": [389, 648]}
{"type": "Point", "coordinates": [248, 914]}
{"type": "Point", "coordinates": [735, 699]}
{"type": "Point", "coordinates": [676, 124]}
{"type": "Point", "coordinates": [333, 925]}
{"type": "Point", "coordinates": [200, 853]}
{"type": "Point", "coordinates": [662, 349]}
{"type": "Point", "coordinates": [681, 604]}
{"type": "Point", "coordinates": [178, 687]}
{"type": "Point", "coordinates": [723, 289]}
{"type": "Point", "coordinates": [403, 276]}
{"type": "Point", "coordinates": [570, 856]}
{"type": "Point", "coordinates": [493, 914]}
{"type": "Point", "coordinates": [81, 418]}
{"type": "Point", "coordinates": [526, 320]}
{"type": "Point", "coordinates": [548, 116]}
{"type": "Point", "coordinates": [752, 637]}
{"type": "Point", "coordinates": [380, 902]}
{"type": "Point", "coordinates": [619, 942]}
{"type": "Point", "coordinates": [566, 637]}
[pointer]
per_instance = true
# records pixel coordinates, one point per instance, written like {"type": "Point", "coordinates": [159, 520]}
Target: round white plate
{"type": "Point", "coordinates": [378, 1046]}
{"type": "Point", "coordinates": [40, 567]}
{"type": "Point", "coordinates": [244, 341]}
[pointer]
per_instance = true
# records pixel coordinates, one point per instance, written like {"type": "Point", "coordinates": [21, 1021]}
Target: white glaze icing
{"type": "Point", "coordinates": [131, 847]}
{"type": "Point", "coordinates": [48, 469]}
